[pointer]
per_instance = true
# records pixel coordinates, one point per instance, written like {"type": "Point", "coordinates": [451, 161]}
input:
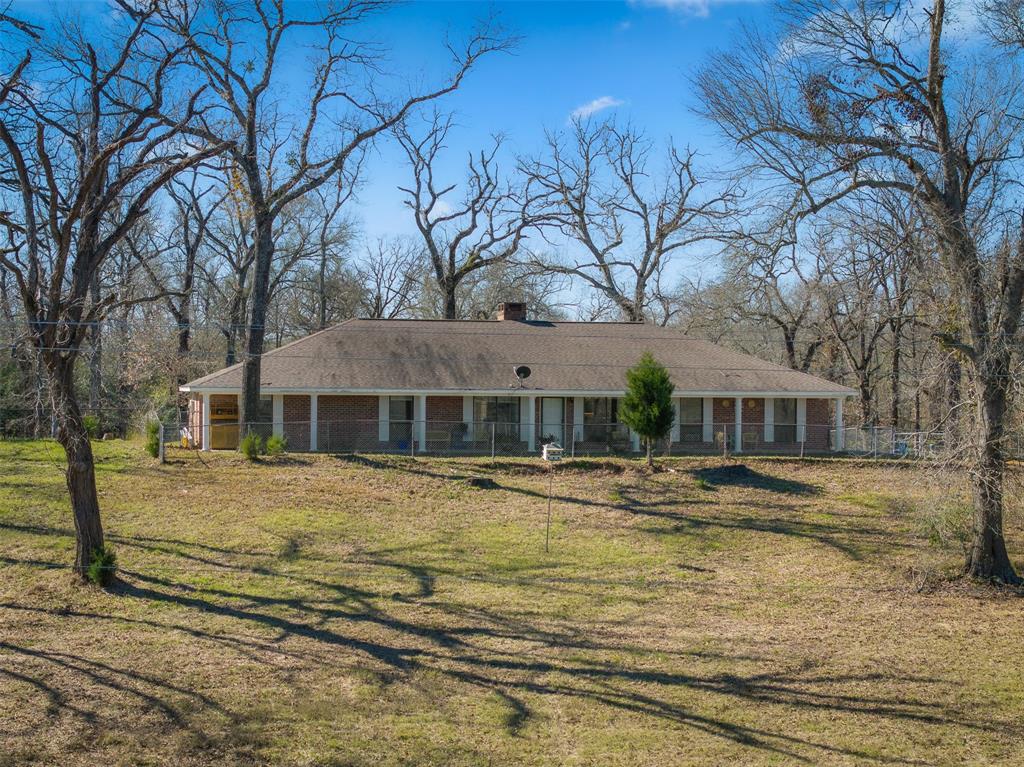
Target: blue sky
{"type": "Point", "coordinates": [633, 57]}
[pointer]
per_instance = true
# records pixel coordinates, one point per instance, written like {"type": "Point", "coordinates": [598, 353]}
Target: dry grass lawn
{"type": "Point", "coordinates": [330, 610]}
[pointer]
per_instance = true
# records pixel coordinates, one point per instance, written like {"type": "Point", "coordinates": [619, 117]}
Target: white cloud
{"type": "Point", "coordinates": [700, 8]}
{"type": "Point", "coordinates": [584, 111]}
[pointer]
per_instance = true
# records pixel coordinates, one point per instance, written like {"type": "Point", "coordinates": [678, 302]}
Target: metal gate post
{"type": "Point", "coordinates": [492, 441]}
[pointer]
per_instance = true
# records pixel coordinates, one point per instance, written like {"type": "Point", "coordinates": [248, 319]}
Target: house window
{"type": "Point", "coordinates": [785, 419]}
{"type": "Point", "coordinates": [691, 419]}
{"type": "Point", "coordinates": [400, 414]}
{"type": "Point", "coordinates": [601, 420]}
{"type": "Point", "coordinates": [503, 412]}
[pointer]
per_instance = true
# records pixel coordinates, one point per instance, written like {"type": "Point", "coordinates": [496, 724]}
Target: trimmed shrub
{"type": "Point", "coordinates": [276, 444]}
{"type": "Point", "coordinates": [251, 446]}
{"type": "Point", "coordinates": [153, 438]}
{"type": "Point", "coordinates": [92, 425]}
{"type": "Point", "coordinates": [102, 567]}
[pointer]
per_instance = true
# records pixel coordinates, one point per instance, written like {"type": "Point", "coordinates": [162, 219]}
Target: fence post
{"type": "Point", "coordinates": [163, 456]}
{"type": "Point", "coordinates": [572, 449]}
{"type": "Point", "coordinates": [492, 441]}
{"type": "Point", "coordinates": [412, 439]}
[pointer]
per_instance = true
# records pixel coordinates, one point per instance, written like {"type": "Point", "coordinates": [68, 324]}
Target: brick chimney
{"type": "Point", "coordinates": [512, 311]}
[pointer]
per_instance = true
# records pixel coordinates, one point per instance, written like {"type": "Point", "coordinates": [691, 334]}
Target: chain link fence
{"type": "Point", "coordinates": [504, 439]}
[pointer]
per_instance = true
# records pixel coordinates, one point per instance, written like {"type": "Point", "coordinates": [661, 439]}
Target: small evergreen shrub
{"type": "Point", "coordinates": [92, 425]}
{"type": "Point", "coordinates": [102, 567]}
{"type": "Point", "coordinates": [276, 444]}
{"type": "Point", "coordinates": [701, 484]}
{"type": "Point", "coordinates": [153, 438]}
{"type": "Point", "coordinates": [251, 446]}
{"type": "Point", "coordinates": [647, 407]}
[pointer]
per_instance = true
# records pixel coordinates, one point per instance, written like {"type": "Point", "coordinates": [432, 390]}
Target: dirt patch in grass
{"type": "Point", "coordinates": [317, 610]}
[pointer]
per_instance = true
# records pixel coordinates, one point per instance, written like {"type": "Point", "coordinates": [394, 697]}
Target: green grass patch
{"type": "Point", "coordinates": [365, 610]}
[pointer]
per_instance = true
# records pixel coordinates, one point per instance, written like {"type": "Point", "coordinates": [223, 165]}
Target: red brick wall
{"type": "Point", "coordinates": [723, 413]}
{"type": "Point", "coordinates": [296, 421]}
{"type": "Point", "coordinates": [445, 411]}
{"type": "Point", "coordinates": [819, 419]}
{"type": "Point", "coordinates": [753, 422]}
{"type": "Point", "coordinates": [346, 422]}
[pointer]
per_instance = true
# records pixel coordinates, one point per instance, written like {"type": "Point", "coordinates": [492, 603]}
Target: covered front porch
{"type": "Point", "coordinates": [514, 423]}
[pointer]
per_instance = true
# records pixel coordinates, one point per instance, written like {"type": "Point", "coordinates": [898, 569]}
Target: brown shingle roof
{"type": "Point", "coordinates": [479, 355]}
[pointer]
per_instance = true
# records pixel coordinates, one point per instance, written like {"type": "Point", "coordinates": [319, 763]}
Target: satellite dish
{"type": "Point", "coordinates": [522, 373]}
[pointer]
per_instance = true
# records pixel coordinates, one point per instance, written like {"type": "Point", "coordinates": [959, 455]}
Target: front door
{"type": "Point", "coordinates": [552, 418]}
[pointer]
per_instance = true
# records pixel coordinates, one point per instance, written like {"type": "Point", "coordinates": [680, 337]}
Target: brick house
{"type": "Point", "coordinates": [460, 386]}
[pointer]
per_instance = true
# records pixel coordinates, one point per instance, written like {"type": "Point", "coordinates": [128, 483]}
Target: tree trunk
{"type": "Point", "coordinates": [96, 356]}
{"type": "Point", "coordinates": [450, 307]}
{"type": "Point", "coordinates": [250, 404]}
{"type": "Point", "coordinates": [81, 474]}
{"type": "Point", "coordinates": [230, 352]}
{"type": "Point", "coordinates": [894, 374]}
{"type": "Point", "coordinates": [987, 557]}
{"type": "Point", "coordinates": [37, 406]}
{"type": "Point", "coordinates": [789, 338]}
{"type": "Point", "coordinates": [322, 288]}
{"type": "Point", "coordinates": [864, 387]}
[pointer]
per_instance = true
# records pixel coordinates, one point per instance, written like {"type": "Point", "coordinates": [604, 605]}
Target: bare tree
{"type": "Point", "coordinates": [333, 236]}
{"type": "Point", "coordinates": [282, 156]}
{"type": "Point", "coordinates": [602, 192]}
{"type": "Point", "coordinates": [171, 256]}
{"type": "Point", "coordinates": [488, 226]}
{"type": "Point", "coordinates": [865, 96]}
{"type": "Point", "coordinates": [85, 155]}
{"type": "Point", "coordinates": [391, 275]}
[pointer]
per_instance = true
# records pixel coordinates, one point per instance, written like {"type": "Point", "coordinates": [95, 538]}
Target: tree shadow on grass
{"type": "Point", "coordinates": [741, 475]}
{"type": "Point", "coordinates": [521, 657]}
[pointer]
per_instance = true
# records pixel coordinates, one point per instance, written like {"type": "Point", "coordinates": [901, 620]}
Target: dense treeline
{"type": "Point", "coordinates": [166, 213]}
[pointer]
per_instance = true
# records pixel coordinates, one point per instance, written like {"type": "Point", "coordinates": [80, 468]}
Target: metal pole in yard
{"type": "Point", "coordinates": [547, 532]}
{"type": "Point", "coordinates": [412, 440]}
{"type": "Point", "coordinates": [163, 456]}
{"type": "Point", "coordinates": [492, 441]}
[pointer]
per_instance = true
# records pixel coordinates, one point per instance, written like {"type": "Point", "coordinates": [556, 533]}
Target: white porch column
{"type": "Point", "coordinates": [769, 419]}
{"type": "Point", "coordinates": [531, 423]}
{"type": "Point", "coordinates": [577, 417]}
{"type": "Point", "coordinates": [708, 419]}
{"type": "Point", "coordinates": [313, 417]}
{"type": "Point", "coordinates": [420, 416]}
{"type": "Point", "coordinates": [467, 415]}
{"type": "Point", "coordinates": [634, 441]}
{"type": "Point", "coordinates": [205, 423]}
{"type": "Point", "coordinates": [383, 418]}
{"type": "Point", "coordinates": [738, 427]}
{"type": "Point", "coordinates": [801, 419]}
{"type": "Point", "coordinates": [278, 415]}
{"type": "Point", "coordinates": [840, 435]}
{"type": "Point", "coordinates": [675, 421]}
